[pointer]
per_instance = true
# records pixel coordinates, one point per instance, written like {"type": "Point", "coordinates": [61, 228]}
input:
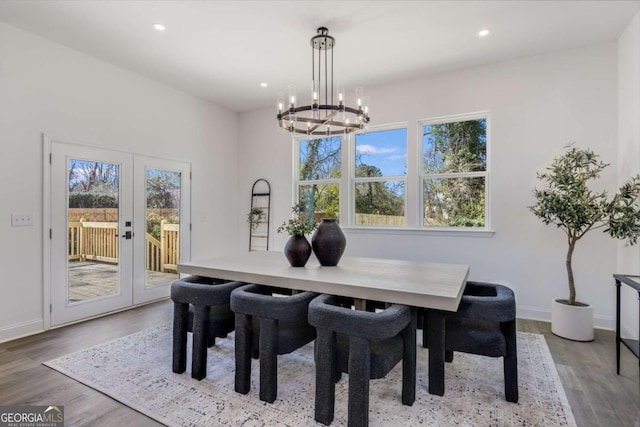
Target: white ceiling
{"type": "Point", "coordinates": [222, 50]}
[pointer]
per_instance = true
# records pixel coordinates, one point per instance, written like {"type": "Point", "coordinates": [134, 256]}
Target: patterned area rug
{"type": "Point", "coordinates": [136, 370]}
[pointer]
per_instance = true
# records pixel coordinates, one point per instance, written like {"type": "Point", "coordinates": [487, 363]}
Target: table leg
{"type": "Point", "coordinates": [618, 327]}
{"type": "Point", "coordinates": [360, 304]}
{"type": "Point", "coordinates": [436, 337]}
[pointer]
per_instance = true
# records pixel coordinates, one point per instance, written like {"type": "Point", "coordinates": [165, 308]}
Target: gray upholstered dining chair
{"type": "Point", "coordinates": [269, 321]}
{"type": "Point", "coordinates": [364, 344]}
{"type": "Point", "coordinates": [201, 306]}
{"type": "Point", "coordinates": [485, 324]}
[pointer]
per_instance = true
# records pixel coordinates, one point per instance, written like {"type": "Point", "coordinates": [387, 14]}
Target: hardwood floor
{"type": "Point", "coordinates": [596, 394]}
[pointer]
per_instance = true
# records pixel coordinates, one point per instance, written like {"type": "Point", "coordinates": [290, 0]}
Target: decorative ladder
{"type": "Point", "coordinates": [260, 199]}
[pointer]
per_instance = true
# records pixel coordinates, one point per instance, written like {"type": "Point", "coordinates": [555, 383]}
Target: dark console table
{"type": "Point", "coordinates": [633, 345]}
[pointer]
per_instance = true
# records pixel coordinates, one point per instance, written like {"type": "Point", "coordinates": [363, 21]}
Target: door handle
{"type": "Point", "coordinates": [127, 235]}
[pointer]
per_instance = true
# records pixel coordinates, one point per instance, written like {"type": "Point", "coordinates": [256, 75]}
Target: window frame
{"type": "Point", "coordinates": [422, 176]}
{"type": "Point", "coordinates": [356, 180]}
{"type": "Point", "coordinates": [414, 181]}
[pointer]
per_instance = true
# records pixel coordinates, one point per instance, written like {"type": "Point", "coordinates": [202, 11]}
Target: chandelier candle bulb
{"type": "Point", "coordinates": [280, 101]}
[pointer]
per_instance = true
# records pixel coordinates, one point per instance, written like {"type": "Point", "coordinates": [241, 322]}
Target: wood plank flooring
{"type": "Point", "coordinates": [596, 394]}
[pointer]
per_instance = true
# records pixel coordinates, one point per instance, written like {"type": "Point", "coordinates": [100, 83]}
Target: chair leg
{"type": "Point", "coordinates": [448, 356]}
{"type": "Point", "coordinates": [436, 335]}
{"type": "Point", "coordinates": [409, 363]}
{"type": "Point", "coordinates": [325, 381]}
{"type": "Point", "coordinates": [268, 359]}
{"type": "Point", "coordinates": [180, 318]}
{"type": "Point", "coordinates": [359, 373]}
{"type": "Point", "coordinates": [200, 336]}
{"type": "Point", "coordinates": [244, 332]}
{"type": "Point", "coordinates": [510, 362]}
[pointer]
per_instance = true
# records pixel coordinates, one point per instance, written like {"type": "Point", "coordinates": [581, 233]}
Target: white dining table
{"type": "Point", "coordinates": [417, 283]}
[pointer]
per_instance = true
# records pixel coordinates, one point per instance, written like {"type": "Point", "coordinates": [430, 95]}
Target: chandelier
{"type": "Point", "coordinates": [323, 116]}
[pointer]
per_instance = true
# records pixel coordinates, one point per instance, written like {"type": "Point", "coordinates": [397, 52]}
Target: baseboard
{"type": "Point", "coordinates": [604, 322]}
{"type": "Point", "coordinates": [19, 330]}
{"type": "Point", "coordinates": [533, 313]}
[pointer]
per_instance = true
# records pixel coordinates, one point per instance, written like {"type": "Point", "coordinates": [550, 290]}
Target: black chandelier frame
{"type": "Point", "coordinates": [330, 124]}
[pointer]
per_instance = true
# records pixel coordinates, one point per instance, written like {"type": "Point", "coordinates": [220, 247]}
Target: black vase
{"type": "Point", "coordinates": [328, 242]}
{"type": "Point", "coordinates": [297, 250]}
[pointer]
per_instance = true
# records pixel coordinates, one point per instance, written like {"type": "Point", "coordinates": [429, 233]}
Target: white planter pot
{"type": "Point", "coordinates": [573, 322]}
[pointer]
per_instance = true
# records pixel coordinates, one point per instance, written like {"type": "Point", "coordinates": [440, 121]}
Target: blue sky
{"type": "Point", "coordinates": [385, 149]}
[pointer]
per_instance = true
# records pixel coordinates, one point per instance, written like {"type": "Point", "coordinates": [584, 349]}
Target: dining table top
{"type": "Point", "coordinates": [417, 283]}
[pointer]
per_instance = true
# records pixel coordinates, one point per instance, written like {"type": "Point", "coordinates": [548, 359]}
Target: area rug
{"type": "Point", "coordinates": [136, 371]}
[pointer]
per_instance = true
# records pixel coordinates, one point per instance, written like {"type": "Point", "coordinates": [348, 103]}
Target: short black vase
{"type": "Point", "coordinates": [328, 242]}
{"type": "Point", "coordinates": [297, 250]}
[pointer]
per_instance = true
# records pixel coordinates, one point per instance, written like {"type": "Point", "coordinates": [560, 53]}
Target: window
{"type": "Point", "coordinates": [435, 179]}
{"type": "Point", "coordinates": [454, 182]}
{"type": "Point", "coordinates": [380, 172]}
{"type": "Point", "coordinates": [319, 173]}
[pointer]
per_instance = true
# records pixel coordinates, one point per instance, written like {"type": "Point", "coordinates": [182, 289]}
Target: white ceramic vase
{"type": "Point", "coordinates": [574, 322]}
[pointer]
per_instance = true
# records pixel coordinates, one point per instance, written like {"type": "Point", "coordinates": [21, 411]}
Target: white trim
{"type": "Point", "coordinates": [46, 226]}
{"type": "Point", "coordinates": [452, 232]}
{"type": "Point", "coordinates": [364, 180]}
{"type": "Point", "coordinates": [22, 329]}
{"type": "Point", "coordinates": [383, 127]}
{"type": "Point", "coordinates": [345, 179]}
{"type": "Point", "coordinates": [295, 172]}
{"type": "Point", "coordinates": [456, 175]}
{"type": "Point", "coordinates": [318, 182]}
{"type": "Point", "coordinates": [455, 118]}
{"type": "Point", "coordinates": [534, 313]}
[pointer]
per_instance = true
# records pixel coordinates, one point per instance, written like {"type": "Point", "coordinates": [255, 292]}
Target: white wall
{"type": "Point", "coordinates": [629, 157]}
{"type": "Point", "coordinates": [47, 88]}
{"type": "Point", "coordinates": [537, 105]}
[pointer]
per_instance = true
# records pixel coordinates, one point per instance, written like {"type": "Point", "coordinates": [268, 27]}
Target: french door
{"type": "Point", "coordinates": [119, 225]}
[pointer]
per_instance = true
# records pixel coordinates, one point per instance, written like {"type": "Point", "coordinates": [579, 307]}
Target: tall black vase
{"type": "Point", "coordinates": [297, 250]}
{"type": "Point", "coordinates": [328, 242]}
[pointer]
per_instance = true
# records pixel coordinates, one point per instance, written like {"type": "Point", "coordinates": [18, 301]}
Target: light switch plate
{"type": "Point", "coordinates": [21, 220]}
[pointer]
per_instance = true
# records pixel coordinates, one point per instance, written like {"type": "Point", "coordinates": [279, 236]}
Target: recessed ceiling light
{"type": "Point", "coordinates": [484, 33]}
{"type": "Point", "coordinates": [159, 27]}
{"type": "Point", "coordinates": [263, 85]}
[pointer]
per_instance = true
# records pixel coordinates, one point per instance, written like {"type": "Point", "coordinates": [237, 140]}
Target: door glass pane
{"type": "Point", "coordinates": [93, 212]}
{"type": "Point", "coordinates": [162, 243]}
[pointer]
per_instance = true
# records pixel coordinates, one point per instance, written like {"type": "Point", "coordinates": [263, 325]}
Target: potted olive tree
{"type": "Point", "coordinates": [567, 202]}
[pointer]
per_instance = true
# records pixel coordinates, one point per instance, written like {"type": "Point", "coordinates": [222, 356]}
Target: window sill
{"type": "Point", "coordinates": [455, 232]}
